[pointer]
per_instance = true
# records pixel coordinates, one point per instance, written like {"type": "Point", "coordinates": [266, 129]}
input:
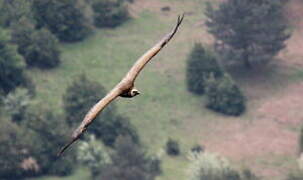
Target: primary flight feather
{"type": "Point", "coordinates": [125, 88]}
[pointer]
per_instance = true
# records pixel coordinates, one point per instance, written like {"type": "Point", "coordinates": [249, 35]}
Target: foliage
{"type": "Point", "coordinates": [301, 140]}
{"type": "Point", "coordinates": [16, 103]}
{"type": "Point", "coordinates": [50, 134]}
{"type": "Point", "coordinates": [130, 162]}
{"type": "Point", "coordinates": [40, 48]}
{"type": "Point", "coordinates": [224, 96]}
{"type": "Point", "coordinates": [248, 31]}
{"type": "Point", "coordinates": [295, 176]}
{"type": "Point", "coordinates": [109, 13]}
{"type": "Point", "coordinates": [11, 65]}
{"type": "Point", "coordinates": [80, 97]}
{"type": "Point", "coordinates": [11, 11]}
{"type": "Point", "coordinates": [62, 18]}
{"type": "Point", "coordinates": [14, 146]}
{"type": "Point", "coordinates": [211, 167]}
{"type": "Point", "coordinates": [197, 148]}
{"type": "Point", "coordinates": [93, 154]}
{"type": "Point", "coordinates": [200, 64]}
{"type": "Point", "coordinates": [172, 147]}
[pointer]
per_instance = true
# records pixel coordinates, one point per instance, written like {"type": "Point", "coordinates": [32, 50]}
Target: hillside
{"type": "Point", "coordinates": [264, 139]}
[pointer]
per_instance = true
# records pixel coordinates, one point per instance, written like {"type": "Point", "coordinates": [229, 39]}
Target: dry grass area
{"type": "Point", "coordinates": [265, 138]}
{"type": "Point", "coordinates": [268, 141]}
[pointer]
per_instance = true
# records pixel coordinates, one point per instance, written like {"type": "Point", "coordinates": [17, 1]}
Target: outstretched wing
{"type": "Point", "coordinates": [143, 60]}
{"type": "Point", "coordinates": [91, 115]}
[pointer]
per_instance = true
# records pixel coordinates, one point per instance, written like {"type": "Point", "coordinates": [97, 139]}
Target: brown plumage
{"type": "Point", "coordinates": [125, 88]}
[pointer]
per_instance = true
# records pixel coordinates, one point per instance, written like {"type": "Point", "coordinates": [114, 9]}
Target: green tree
{"type": "Point", "coordinates": [16, 103]}
{"type": "Point", "coordinates": [200, 64]}
{"type": "Point", "coordinates": [224, 96]}
{"type": "Point", "coordinates": [63, 18]}
{"type": "Point", "coordinates": [80, 96]}
{"type": "Point", "coordinates": [39, 48]}
{"type": "Point", "coordinates": [12, 11]}
{"type": "Point", "coordinates": [11, 65]}
{"type": "Point", "coordinates": [248, 31]}
{"type": "Point", "coordinates": [109, 13]}
{"type": "Point", "coordinates": [94, 155]}
{"type": "Point", "coordinates": [130, 162]}
{"type": "Point", "coordinates": [50, 133]}
{"type": "Point", "coordinates": [207, 166]}
{"type": "Point", "coordinates": [15, 144]}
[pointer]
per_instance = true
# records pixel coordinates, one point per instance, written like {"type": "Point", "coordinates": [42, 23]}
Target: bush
{"type": "Point", "coordinates": [109, 13]}
{"type": "Point", "coordinates": [301, 141]}
{"type": "Point", "coordinates": [172, 147]}
{"type": "Point", "coordinates": [197, 148]}
{"type": "Point", "coordinates": [14, 10]}
{"type": "Point", "coordinates": [16, 103]}
{"type": "Point", "coordinates": [62, 18]}
{"type": "Point", "coordinates": [210, 166]}
{"type": "Point", "coordinates": [93, 154]}
{"type": "Point", "coordinates": [109, 129]}
{"type": "Point", "coordinates": [14, 150]}
{"type": "Point", "coordinates": [224, 96]}
{"type": "Point", "coordinates": [50, 133]}
{"type": "Point", "coordinates": [200, 64]}
{"type": "Point", "coordinates": [295, 176]}
{"type": "Point", "coordinates": [130, 162]}
{"type": "Point", "coordinates": [11, 65]}
{"type": "Point", "coordinates": [40, 48]}
{"type": "Point", "coordinates": [43, 52]}
{"type": "Point", "coordinates": [80, 97]}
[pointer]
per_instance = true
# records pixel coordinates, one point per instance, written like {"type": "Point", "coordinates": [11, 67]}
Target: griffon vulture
{"type": "Point", "coordinates": [125, 88]}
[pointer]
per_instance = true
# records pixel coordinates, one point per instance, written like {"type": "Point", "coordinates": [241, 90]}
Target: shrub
{"type": "Point", "coordinates": [50, 133]}
{"type": "Point", "coordinates": [109, 129]}
{"type": "Point", "coordinates": [40, 48]}
{"type": "Point", "coordinates": [11, 65]}
{"type": "Point", "coordinates": [93, 154]}
{"type": "Point", "coordinates": [14, 10]}
{"type": "Point", "coordinates": [130, 162]}
{"type": "Point", "coordinates": [43, 52]}
{"type": "Point", "coordinates": [200, 64]}
{"type": "Point", "coordinates": [224, 96]}
{"type": "Point", "coordinates": [301, 141]}
{"type": "Point", "coordinates": [172, 147]}
{"type": "Point", "coordinates": [62, 18]}
{"type": "Point", "coordinates": [80, 97]}
{"type": "Point", "coordinates": [109, 13]}
{"type": "Point", "coordinates": [210, 166]}
{"type": "Point", "coordinates": [197, 148]}
{"type": "Point", "coordinates": [295, 176]}
{"type": "Point", "coordinates": [16, 103]}
{"type": "Point", "coordinates": [14, 150]}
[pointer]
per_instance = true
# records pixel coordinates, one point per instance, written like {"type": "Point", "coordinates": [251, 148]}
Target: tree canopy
{"type": "Point", "coordinates": [248, 31]}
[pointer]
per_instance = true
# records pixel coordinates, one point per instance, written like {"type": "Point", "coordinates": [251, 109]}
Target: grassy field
{"type": "Point", "coordinates": [165, 109]}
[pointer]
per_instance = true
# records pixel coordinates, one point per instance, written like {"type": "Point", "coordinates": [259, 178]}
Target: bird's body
{"type": "Point", "coordinates": [125, 88]}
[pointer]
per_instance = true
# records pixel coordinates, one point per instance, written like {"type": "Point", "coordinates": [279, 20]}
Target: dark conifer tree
{"type": "Point", "coordinates": [248, 31]}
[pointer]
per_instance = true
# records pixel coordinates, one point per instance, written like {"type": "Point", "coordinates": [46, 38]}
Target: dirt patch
{"type": "Point", "coordinates": [287, 108]}
{"type": "Point", "coordinates": [268, 142]}
{"type": "Point", "coordinates": [293, 54]}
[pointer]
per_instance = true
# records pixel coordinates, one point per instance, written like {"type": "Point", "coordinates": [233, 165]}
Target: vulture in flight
{"type": "Point", "coordinates": [125, 88]}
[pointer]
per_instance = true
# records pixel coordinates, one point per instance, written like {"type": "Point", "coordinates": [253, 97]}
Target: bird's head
{"type": "Point", "coordinates": [134, 92]}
